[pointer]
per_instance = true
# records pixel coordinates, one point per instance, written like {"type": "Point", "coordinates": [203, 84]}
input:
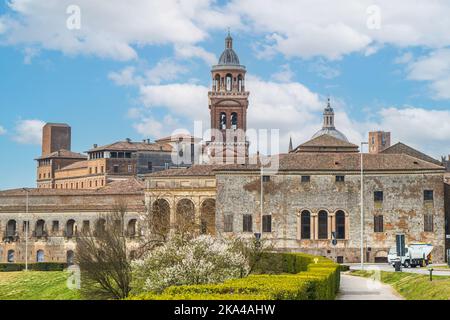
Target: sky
{"type": "Point", "coordinates": [140, 69]}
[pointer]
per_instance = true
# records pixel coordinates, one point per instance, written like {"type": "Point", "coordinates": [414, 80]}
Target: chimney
{"type": "Point", "coordinates": [148, 141]}
{"type": "Point", "coordinates": [95, 145]}
{"type": "Point", "coordinates": [128, 140]}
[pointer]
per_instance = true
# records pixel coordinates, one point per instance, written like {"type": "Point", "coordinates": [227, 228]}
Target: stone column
{"type": "Point", "coordinates": [314, 226]}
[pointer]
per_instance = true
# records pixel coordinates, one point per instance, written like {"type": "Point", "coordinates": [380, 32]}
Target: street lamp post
{"type": "Point", "coordinates": [27, 225]}
{"type": "Point", "coordinates": [362, 205]}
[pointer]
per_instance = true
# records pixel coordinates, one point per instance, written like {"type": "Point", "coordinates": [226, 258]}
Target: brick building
{"type": "Point", "coordinates": [56, 217]}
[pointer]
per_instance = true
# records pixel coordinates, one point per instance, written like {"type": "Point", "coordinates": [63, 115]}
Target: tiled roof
{"type": "Point", "coordinates": [400, 147]}
{"type": "Point", "coordinates": [343, 162]}
{"type": "Point", "coordinates": [176, 137]}
{"type": "Point", "coordinates": [129, 186]}
{"type": "Point", "coordinates": [133, 146]}
{"type": "Point", "coordinates": [66, 154]}
{"type": "Point", "coordinates": [196, 170]}
{"type": "Point", "coordinates": [326, 140]}
{"type": "Point", "coordinates": [76, 165]}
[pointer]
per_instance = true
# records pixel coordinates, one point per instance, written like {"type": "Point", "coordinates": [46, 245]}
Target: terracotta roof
{"type": "Point", "coordinates": [66, 154]}
{"type": "Point", "coordinates": [129, 186]}
{"type": "Point", "coordinates": [176, 137]}
{"type": "Point", "coordinates": [326, 140]}
{"type": "Point", "coordinates": [134, 146]}
{"type": "Point", "coordinates": [400, 147]}
{"type": "Point", "coordinates": [343, 162]}
{"type": "Point", "coordinates": [195, 170]}
{"type": "Point", "coordinates": [76, 165]}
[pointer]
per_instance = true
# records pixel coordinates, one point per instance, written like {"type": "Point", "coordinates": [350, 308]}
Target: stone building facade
{"type": "Point", "coordinates": [56, 217]}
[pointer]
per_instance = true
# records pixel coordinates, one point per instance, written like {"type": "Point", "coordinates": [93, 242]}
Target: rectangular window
{"type": "Point", "coordinates": [266, 178]}
{"type": "Point", "coordinates": [86, 227]}
{"type": "Point", "coordinates": [306, 178]}
{"type": "Point", "coordinates": [267, 223]}
{"type": "Point", "coordinates": [340, 178]}
{"type": "Point", "coordinates": [378, 196]}
{"type": "Point", "coordinates": [228, 223]}
{"type": "Point", "coordinates": [428, 195]}
{"type": "Point", "coordinates": [102, 169]}
{"type": "Point", "coordinates": [130, 168]}
{"type": "Point", "coordinates": [428, 223]}
{"type": "Point", "coordinates": [90, 170]}
{"type": "Point", "coordinates": [116, 168]}
{"type": "Point", "coordinates": [55, 226]}
{"type": "Point", "coordinates": [378, 225]}
{"type": "Point", "coordinates": [247, 223]}
{"type": "Point", "coordinates": [150, 166]}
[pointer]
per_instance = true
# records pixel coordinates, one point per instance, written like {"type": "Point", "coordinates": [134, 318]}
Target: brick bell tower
{"type": "Point", "coordinates": [228, 103]}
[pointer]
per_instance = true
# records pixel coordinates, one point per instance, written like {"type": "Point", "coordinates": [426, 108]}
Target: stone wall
{"type": "Point", "coordinates": [286, 197]}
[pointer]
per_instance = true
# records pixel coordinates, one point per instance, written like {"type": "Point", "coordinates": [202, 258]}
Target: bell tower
{"type": "Point", "coordinates": [228, 103]}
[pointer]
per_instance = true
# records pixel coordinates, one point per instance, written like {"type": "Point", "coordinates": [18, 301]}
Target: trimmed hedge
{"type": "Point", "coordinates": [280, 276]}
{"type": "Point", "coordinates": [39, 266]}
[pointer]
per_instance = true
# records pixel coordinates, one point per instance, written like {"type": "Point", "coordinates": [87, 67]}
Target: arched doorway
{"type": "Point", "coordinates": [160, 218]}
{"type": "Point", "coordinates": [69, 257]}
{"type": "Point", "coordinates": [381, 256]}
{"type": "Point", "coordinates": [208, 217]}
{"type": "Point", "coordinates": [185, 216]}
{"type": "Point", "coordinates": [40, 256]}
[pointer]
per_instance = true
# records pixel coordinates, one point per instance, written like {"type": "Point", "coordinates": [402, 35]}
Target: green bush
{"type": "Point", "coordinates": [39, 266]}
{"type": "Point", "coordinates": [298, 277]}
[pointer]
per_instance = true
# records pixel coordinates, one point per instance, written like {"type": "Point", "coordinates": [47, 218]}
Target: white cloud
{"type": "Point", "coordinates": [114, 28]}
{"type": "Point", "coordinates": [332, 29]}
{"type": "Point", "coordinates": [28, 131]}
{"type": "Point", "coordinates": [149, 126]}
{"type": "Point", "coordinates": [190, 51]}
{"type": "Point", "coordinates": [126, 77]}
{"type": "Point", "coordinates": [284, 75]}
{"type": "Point", "coordinates": [2, 130]}
{"type": "Point", "coordinates": [165, 70]}
{"type": "Point", "coordinates": [434, 68]}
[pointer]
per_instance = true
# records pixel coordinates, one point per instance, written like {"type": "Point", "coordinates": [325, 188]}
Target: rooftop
{"type": "Point", "coordinates": [325, 142]}
{"type": "Point", "coordinates": [133, 146]}
{"type": "Point", "coordinates": [64, 154]}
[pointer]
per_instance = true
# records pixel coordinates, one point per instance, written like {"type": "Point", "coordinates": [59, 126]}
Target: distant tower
{"type": "Point", "coordinates": [228, 103]}
{"type": "Point", "coordinates": [55, 137]}
{"type": "Point", "coordinates": [378, 141]}
{"type": "Point", "coordinates": [290, 145]}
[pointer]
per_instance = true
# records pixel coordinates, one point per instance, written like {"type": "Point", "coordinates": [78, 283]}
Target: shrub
{"type": "Point", "coordinates": [39, 266]}
{"type": "Point", "coordinates": [178, 262]}
{"type": "Point", "coordinates": [300, 277]}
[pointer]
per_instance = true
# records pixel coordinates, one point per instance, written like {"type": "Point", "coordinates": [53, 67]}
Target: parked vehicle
{"type": "Point", "coordinates": [416, 254]}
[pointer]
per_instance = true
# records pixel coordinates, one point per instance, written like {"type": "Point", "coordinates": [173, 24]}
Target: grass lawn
{"type": "Point", "coordinates": [36, 285]}
{"type": "Point", "coordinates": [414, 286]}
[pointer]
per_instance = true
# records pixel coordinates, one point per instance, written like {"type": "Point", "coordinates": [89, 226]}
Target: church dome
{"type": "Point", "coordinates": [328, 125]}
{"type": "Point", "coordinates": [332, 132]}
{"type": "Point", "coordinates": [229, 57]}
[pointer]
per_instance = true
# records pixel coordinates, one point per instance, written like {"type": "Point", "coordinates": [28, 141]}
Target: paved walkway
{"type": "Point", "coordinates": [438, 269]}
{"type": "Point", "coordinates": [359, 288]}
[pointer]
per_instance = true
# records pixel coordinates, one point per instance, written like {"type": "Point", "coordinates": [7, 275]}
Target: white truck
{"type": "Point", "coordinates": [416, 254]}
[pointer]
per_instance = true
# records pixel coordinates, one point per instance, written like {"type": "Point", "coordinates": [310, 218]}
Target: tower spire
{"type": "Point", "coordinates": [229, 41]}
{"type": "Point", "coordinates": [328, 116]}
{"type": "Point", "coordinates": [290, 144]}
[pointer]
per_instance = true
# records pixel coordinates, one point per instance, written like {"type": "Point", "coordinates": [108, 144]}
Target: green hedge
{"type": "Point", "coordinates": [299, 277]}
{"type": "Point", "coordinates": [40, 266]}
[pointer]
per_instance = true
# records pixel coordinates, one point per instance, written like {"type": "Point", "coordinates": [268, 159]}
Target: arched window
{"type": "Point", "coordinates": [131, 228]}
{"type": "Point", "coordinates": [69, 257]}
{"type": "Point", "coordinates": [160, 218]}
{"type": "Point", "coordinates": [340, 225]}
{"type": "Point", "coordinates": [70, 228]}
{"type": "Point", "coordinates": [223, 120]}
{"type": "Point", "coordinates": [234, 120]}
{"type": "Point", "coordinates": [305, 218]}
{"type": "Point", "coordinates": [10, 257]}
{"type": "Point", "coordinates": [323, 225]}
{"type": "Point", "coordinates": [40, 228]}
{"type": "Point", "coordinates": [217, 83]}
{"type": "Point", "coordinates": [40, 256]}
{"type": "Point", "coordinates": [229, 82]}
{"type": "Point", "coordinates": [11, 228]}
{"type": "Point", "coordinates": [240, 83]}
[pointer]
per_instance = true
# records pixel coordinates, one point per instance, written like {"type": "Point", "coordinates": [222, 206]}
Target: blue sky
{"type": "Point", "coordinates": [143, 71]}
